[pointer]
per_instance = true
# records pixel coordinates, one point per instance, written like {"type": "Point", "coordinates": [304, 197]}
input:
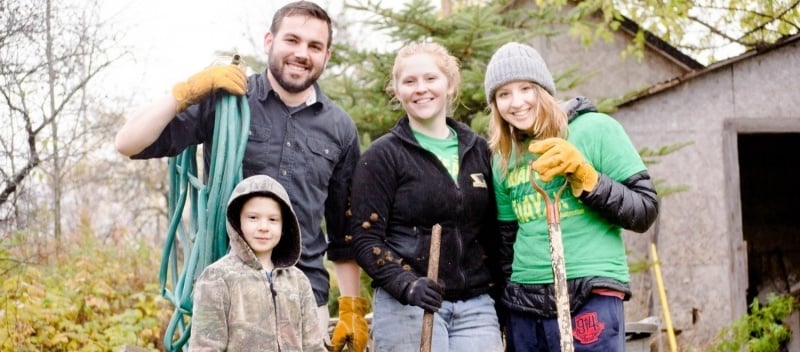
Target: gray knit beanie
{"type": "Point", "coordinates": [516, 62]}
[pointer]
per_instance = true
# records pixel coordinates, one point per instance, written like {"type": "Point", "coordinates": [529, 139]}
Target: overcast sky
{"type": "Point", "coordinates": [172, 39]}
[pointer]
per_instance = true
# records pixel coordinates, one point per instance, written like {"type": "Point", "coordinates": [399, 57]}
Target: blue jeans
{"type": "Point", "coordinates": [469, 325]}
{"type": "Point", "coordinates": [597, 326]}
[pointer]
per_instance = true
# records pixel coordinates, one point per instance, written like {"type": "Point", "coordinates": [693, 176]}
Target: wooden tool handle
{"type": "Point", "coordinates": [433, 274]}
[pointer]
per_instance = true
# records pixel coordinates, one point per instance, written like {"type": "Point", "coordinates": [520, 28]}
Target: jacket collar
{"type": "Point", "coordinates": [402, 129]}
{"type": "Point", "coordinates": [577, 106]}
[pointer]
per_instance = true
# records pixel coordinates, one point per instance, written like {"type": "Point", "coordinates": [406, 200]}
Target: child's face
{"type": "Point", "coordinates": [516, 103]}
{"type": "Point", "coordinates": [422, 88]}
{"type": "Point", "coordinates": [262, 224]}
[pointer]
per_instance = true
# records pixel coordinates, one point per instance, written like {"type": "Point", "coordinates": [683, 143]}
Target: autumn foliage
{"type": "Point", "coordinates": [83, 294]}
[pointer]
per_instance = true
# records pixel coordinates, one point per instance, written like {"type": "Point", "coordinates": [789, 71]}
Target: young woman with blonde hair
{"type": "Point", "coordinates": [429, 169]}
{"type": "Point", "coordinates": [610, 190]}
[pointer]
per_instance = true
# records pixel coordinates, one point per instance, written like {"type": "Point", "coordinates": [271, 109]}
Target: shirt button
{"type": "Point", "coordinates": [283, 172]}
{"type": "Point", "coordinates": [288, 144]}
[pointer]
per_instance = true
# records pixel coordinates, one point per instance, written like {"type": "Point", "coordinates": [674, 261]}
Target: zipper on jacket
{"type": "Point", "coordinates": [457, 227]}
{"type": "Point", "coordinates": [274, 304]}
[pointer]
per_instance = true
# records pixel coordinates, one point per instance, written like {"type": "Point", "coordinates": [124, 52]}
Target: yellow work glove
{"type": "Point", "coordinates": [351, 330]}
{"type": "Point", "coordinates": [227, 77]}
{"type": "Point", "coordinates": [559, 157]}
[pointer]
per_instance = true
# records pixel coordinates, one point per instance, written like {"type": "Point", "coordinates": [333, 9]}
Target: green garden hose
{"type": "Point", "coordinates": [201, 233]}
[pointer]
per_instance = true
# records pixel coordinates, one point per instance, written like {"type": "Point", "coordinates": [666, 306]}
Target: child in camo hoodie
{"type": "Point", "coordinates": [254, 298]}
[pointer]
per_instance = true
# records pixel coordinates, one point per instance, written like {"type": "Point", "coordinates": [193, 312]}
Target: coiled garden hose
{"type": "Point", "coordinates": [201, 233]}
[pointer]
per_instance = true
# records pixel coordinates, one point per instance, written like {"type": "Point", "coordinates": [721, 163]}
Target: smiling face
{"type": "Point", "coordinates": [517, 102]}
{"type": "Point", "coordinates": [298, 52]}
{"type": "Point", "coordinates": [261, 222]}
{"type": "Point", "coordinates": [422, 88]}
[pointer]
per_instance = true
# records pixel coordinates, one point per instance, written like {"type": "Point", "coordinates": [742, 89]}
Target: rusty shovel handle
{"type": "Point", "coordinates": [433, 274]}
{"type": "Point", "coordinates": [557, 261]}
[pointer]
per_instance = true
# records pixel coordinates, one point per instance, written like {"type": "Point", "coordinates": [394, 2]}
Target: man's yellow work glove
{"type": "Point", "coordinates": [559, 157]}
{"type": "Point", "coordinates": [351, 330]}
{"type": "Point", "coordinates": [228, 77]}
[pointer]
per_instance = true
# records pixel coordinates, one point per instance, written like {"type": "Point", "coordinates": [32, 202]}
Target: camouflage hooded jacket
{"type": "Point", "coordinates": [238, 307]}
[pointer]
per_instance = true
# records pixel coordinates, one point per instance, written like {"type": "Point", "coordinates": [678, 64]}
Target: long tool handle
{"type": "Point", "coordinates": [562, 295]}
{"type": "Point", "coordinates": [557, 261]}
{"type": "Point", "coordinates": [662, 294]}
{"type": "Point", "coordinates": [433, 274]}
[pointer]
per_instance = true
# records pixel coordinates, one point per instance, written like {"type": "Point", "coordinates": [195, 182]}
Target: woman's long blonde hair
{"type": "Point", "coordinates": [550, 121]}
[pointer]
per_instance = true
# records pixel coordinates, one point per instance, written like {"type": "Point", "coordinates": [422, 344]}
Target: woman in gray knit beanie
{"type": "Point", "coordinates": [610, 191]}
{"type": "Point", "coordinates": [517, 64]}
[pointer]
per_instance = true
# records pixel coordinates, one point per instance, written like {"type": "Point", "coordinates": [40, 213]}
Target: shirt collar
{"type": "Point", "coordinates": [315, 97]}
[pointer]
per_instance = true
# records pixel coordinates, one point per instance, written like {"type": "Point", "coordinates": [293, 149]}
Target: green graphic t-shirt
{"type": "Point", "coordinates": [592, 245]}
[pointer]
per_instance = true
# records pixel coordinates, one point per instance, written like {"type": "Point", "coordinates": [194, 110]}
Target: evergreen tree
{"type": "Point", "coordinates": [471, 30]}
{"type": "Point", "coordinates": [357, 77]}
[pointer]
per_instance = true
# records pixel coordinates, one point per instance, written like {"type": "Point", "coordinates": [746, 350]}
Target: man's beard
{"type": "Point", "coordinates": [276, 67]}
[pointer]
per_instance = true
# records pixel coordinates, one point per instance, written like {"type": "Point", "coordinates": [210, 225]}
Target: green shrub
{"type": "Point", "coordinates": [762, 330]}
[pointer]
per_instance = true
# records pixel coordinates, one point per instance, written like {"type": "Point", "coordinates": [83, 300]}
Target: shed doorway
{"type": "Point", "coordinates": [769, 167]}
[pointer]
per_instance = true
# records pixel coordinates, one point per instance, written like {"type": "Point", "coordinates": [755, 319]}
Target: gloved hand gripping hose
{"type": "Point", "coordinates": [202, 234]}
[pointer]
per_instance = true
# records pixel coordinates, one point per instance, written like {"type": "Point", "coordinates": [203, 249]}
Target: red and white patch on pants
{"type": "Point", "coordinates": [587, 328]}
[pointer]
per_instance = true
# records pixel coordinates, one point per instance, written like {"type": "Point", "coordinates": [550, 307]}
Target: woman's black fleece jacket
{"type": "Point", "coordinates": [401, 190]}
